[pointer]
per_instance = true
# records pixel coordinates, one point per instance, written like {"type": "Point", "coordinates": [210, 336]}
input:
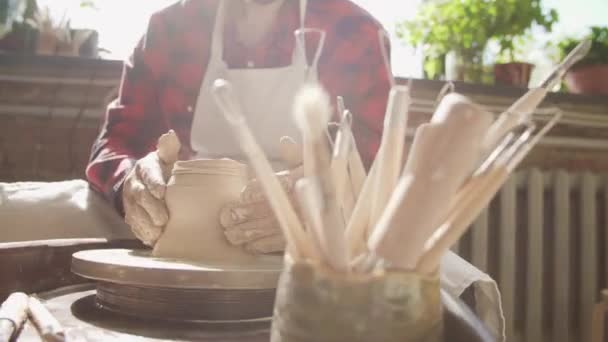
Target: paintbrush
{"type": "Point", "coordinates": [298, 244]}
{"type": "Point", "coordinates": [312, 111]}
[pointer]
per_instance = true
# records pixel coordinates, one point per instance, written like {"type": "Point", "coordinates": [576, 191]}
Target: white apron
{"type": "Point", "coordinates": [457, 275]}
{"type": "Point", "coordinates": [265, 95]}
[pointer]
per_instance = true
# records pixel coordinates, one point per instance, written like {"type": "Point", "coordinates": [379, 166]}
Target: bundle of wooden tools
{"type": "Point", "coordinates": [17, 308]}
{"type": "Point", "coordinates": [398, 219]}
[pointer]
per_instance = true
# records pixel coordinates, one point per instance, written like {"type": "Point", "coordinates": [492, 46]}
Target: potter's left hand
{"type": "Point", "coordinates": [250, 222]}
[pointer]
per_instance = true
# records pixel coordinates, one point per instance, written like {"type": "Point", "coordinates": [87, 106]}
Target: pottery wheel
{"type": "Point", "coordinates": [134, 283]}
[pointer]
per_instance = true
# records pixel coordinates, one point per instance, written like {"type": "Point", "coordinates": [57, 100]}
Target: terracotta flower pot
{"type": "Point", "coordinates": [588, 79]}
{"type": "Point", "coordinates": [513, 74]}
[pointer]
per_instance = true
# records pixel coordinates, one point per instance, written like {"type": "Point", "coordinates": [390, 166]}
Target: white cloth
{"type": "Point", "coordinates": [265, 95]}
{"type": "Point", "coordinates": [56, 210]}
{"type": "Point", "coordinates": [457, 275]}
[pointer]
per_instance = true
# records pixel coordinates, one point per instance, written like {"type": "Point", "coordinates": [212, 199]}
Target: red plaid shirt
{"type": "Point", "coordinates": [161, 80]}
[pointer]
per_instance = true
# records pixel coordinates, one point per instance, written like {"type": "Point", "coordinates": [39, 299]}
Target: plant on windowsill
{"type": "Point", "coordinates": [589, 75]}
{"type": "Point", "coordinates": [11, 11]}
{"type": "Point", "coordinates": [38, 32]}
{"type": "Point", "coordinates": [462, 29]}
{"type": "Point", "coordinates": [15, 35]}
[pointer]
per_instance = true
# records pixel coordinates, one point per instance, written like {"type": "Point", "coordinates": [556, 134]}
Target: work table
{"type": "Point", "coordinates": [51, 107]}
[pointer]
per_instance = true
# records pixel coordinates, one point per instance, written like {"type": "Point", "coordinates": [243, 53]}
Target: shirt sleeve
{"type": "Point", "coordinates": [355, 69]}
{"type": "Point", "coordinates": [133, 121]}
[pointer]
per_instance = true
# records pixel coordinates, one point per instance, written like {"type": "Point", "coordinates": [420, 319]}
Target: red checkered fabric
{"type": "Point", "coordinates": [162, 78]}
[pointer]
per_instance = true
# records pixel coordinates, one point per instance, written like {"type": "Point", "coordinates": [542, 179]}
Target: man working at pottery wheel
{"type": "Point", "coordinates": [166, 86]}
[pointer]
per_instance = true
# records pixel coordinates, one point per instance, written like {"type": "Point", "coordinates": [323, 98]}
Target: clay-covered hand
{"type": "Point", "coordinates": [144, 190]}
{"type": "Point", "coordinates": [250, 222]}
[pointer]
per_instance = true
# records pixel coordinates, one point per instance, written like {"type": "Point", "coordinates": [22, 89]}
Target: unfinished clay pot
{"type": "Point", "coordinates": [196, 192]}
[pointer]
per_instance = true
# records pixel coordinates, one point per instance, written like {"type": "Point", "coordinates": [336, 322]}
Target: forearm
{"type": "Point", "coordinates": [106, 173]}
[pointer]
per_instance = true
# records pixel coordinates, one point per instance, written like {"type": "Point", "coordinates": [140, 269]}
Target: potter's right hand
{"type": "Point", "coordinates": [144, 190]}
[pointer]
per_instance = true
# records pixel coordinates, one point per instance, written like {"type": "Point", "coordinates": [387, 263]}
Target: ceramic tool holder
{"type": "Point", "coordinates": [314, 303]}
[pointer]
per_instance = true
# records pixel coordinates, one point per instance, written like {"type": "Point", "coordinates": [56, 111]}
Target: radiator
{"type": "Point", "coordinates": [543, 240]}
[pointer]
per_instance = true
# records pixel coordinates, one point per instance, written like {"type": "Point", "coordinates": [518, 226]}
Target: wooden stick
{"type": "Point", "coordinates": [298, 244]}
{"type": "Point", "coordinates": [339, 167]}
{"type": "Point", "coordinates": [390, 154]}
{"type": "Point", "coordinates": [309, 204]}
{"type": "Point", "coordinates": [12, 315]}
{"type": "Point", "coordinates": [48, 326]}
{"type": "Point", "coordinates": [356, 168]}
{"type": "Point", "coordinates": [475, 196]}
{"type": "Point", "coordinates": [357, 227]}
{"type": "Point", "coordinates": [312, 113]}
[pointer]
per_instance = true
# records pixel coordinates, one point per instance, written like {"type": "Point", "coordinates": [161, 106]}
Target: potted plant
{"type": "Point", "coordinates": [509, 68]}
{"type": "Point", "coordinates": [41, 33]}
{"type": "Point", "coordinates": [15, 35]}
{"type": "Point", "coordinates": [463, 28]}
{"type": "Point", "coordinates": [589, 75]}
{"type": "Point", "coordinates": [10, 12]}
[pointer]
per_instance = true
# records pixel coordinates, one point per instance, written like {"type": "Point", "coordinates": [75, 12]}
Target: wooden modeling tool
{"type": "Point", "coordinates": [477, 194]}
{"type": "Point", "coordinates": [522, 109]}
{"type": "Point", "coordinates": [12, 315]}
{"type": "Point", "coordinates": [339, 167]}
{"type": "Point", "coordinates": [444, 153]}
{"type": "Point", "coordinates": [390, 154]}
{"type": "Point", "coordinates": [312, 111]}
{"type": "Point", "coordinates": [48, 326]}
{"type": "Point", "coordinates": [356, 168]}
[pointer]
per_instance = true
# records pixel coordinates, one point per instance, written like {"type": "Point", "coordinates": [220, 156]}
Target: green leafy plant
{"type": "Point", "coordinates": [466, 26]}
{"type": "Point", "coordinates": [599, 47]}
{"type": "Point", "coordinates": [11, 11]}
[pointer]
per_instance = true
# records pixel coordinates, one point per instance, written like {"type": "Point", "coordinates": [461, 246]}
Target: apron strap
{"type": "Point", "coordinates": [303, 6]}
{"type": "Point", "coordinates": [217, 36]}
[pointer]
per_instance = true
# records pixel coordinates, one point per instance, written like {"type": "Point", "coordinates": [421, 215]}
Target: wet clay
{"type": "Point", "coordinates": [196, 192]}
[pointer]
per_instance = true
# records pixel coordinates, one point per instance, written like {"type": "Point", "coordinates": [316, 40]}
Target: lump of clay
{"type": "Point", "coordinates": [168, 147]}
{"type": "Point", "coordinates": [196, 192]}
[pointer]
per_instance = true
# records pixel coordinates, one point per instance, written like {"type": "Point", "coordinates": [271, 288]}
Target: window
{"type": "Point", "coordinates": [121, 22]}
